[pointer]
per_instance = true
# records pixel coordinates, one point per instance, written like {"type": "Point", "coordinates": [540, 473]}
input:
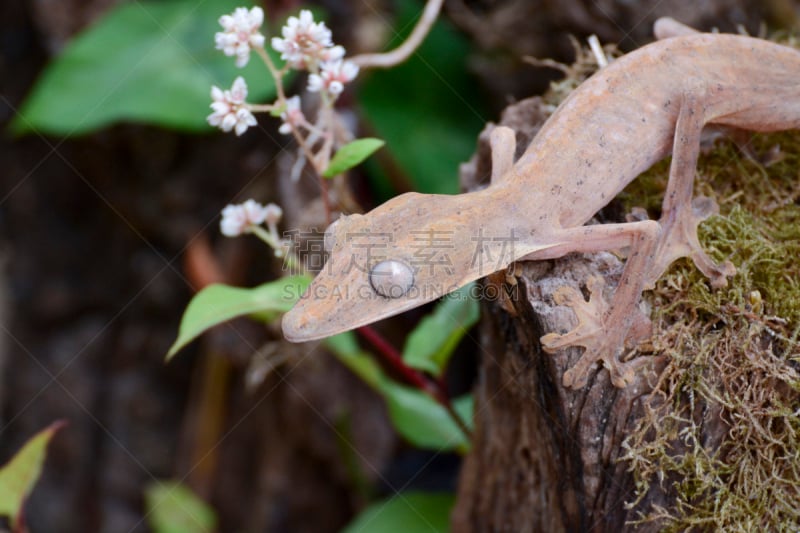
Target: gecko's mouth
{"type": "Point", "coordinates": [313, 319]}
{"type": "Point", "coordinates": [308, 322]}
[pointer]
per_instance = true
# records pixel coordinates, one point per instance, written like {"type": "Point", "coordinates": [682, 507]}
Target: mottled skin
{"type": "Point", "coordinates": [629, 115]}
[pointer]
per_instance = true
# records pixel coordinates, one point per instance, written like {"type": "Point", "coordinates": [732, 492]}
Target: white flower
{"type": "Point", "coordinates": [231, 112]}
{"type": "Point", "coordinates": [239, 218]}
{"type": "Point", "coordinates": [332, 54]}
{"type": "Point", "coordinates": [240, 33]}
{"type": "Point", "coordinates": [304, 41]}
{"type": "Point", "coordinates": [273, 214]}
{"type": "Point", "coordinates": [292, 115]}
{"type": "Point", "coordinates": [332, 76]}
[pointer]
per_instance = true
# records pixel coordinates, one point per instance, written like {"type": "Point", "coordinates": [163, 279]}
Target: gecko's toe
{"type": "Point", "coordinates": [720, 273]}
{"type": "Point", "coordinates": [552, 342]}
{"type": "Point", "coordinates": [566, 295]}
{"type": "Point", "coordinates": [622, 376]}
{"type": "Point", "coordinates": [575, 378]}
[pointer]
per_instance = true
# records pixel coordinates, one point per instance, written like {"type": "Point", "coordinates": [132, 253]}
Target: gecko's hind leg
{"type": "Point", "coordinates": [680, 214]}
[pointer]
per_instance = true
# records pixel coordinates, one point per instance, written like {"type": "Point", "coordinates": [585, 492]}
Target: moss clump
{"type": "Point", "coordinates": [722, 433]}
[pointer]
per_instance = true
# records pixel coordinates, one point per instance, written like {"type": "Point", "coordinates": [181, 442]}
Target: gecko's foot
{"type": "Point", "coordinates": [622, 374]}
{"type": "Point", "coordinates": [680, 240]}
{"type": "Point", "coordinates": [601, 343]}
{"type": "Point", "coordinates": [717, 273]}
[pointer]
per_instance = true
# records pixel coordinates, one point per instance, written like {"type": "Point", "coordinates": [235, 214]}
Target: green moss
{"type": "Point", "coordinates": [732, 354]}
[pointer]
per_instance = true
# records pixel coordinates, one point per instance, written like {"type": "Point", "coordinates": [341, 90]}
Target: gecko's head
{"type": "Point", "coordinates": [408, 251]}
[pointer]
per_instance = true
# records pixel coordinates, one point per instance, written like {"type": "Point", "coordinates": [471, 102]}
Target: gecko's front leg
{"type": "Point", "coordinates": [603, 328]}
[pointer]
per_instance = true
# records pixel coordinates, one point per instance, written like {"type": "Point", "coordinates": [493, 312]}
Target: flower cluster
{"type": "Point", "coordinates": [241, 218]}
{"type": "Point", "coordinates": [231, 112]}
{"type": "Point", "coordinates": [241, 33]}
{"type": "Point", "coordinates": [305, 43]}
{"type": "Point", "coordinates": [292, 116]}
{"type": "Point", "coordinates": [332, 76]}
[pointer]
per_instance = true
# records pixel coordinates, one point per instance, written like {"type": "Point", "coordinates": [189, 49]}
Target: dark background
{"type": "Point", "coordinates": [94, 235]}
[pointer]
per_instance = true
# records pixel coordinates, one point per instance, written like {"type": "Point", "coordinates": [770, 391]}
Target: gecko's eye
{"type": "Point", "coordinates": [391, 279]}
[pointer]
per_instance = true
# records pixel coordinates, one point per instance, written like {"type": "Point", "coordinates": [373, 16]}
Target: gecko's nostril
{"type": "Point", "coordinates": [391, 278]}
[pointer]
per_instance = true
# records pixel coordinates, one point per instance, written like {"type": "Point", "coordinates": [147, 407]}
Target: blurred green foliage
{"type": "Point", "coordinates": [219, 303]}
{"type": "Point", "coordinates": [406, 512]}
{"type": "Point", "coordinates": [146, 61]}
{"type": "Point", "coordinates": [172, 507]}
{"type": "Point", "coordinates": [20, 474]}
{"type": "Point", "coordinates": [428, 109]}
{"type": "Point", "coordinates": [432, 343]}
{"type": "Point", "coordinates": [416, 416]}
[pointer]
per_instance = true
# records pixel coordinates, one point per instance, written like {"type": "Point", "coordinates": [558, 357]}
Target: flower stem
{"type": "Point", "coordinates": [402, 52]}
{"type": "Point", "coordinates": [291, 260]}
{"type": "Point", "coordinates": [276, 74]}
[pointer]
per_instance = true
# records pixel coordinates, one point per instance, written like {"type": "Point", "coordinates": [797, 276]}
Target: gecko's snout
{"type": "Point", "coordinates": [301, 324]}
{"type": "Point", "coordinates": [295, 326]}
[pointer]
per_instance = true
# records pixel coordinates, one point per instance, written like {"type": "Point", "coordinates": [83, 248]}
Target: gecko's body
{"type": "Point", "coordinates": [629, 115]}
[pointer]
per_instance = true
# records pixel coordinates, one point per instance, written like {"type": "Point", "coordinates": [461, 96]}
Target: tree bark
{"type": "Point", "coordinates": [546, 458]}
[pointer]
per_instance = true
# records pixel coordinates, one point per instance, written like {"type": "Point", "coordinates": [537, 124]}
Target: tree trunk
{"type": "Point", "coordinates": [546, 458]}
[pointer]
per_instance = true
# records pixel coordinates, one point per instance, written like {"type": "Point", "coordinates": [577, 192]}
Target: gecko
{"type": "Point", "coordinates": [642, 107]}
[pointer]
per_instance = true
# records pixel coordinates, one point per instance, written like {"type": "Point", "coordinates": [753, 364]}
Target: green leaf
{"type": "Point", "coordinates": [173, 508]}
{"type": "Point", "coordinates": [433, 341]}
{"type": "Point", "coordinates": [415, 415]}
{"type": "Point", "coordinates": [219, 303]}
{"type": "Point", "coordinates": [345, 347]}
{"type": "Point", "coordinates": [428, 109]}
{"type": "Point", "coordinates": [423, 421]}
{"type": "Point", "coordinates": [352, 154]}
{"type": "Point", "coordinates": [19, 475]}
{"type": "Point", "coordinates": [144, 61]}
{"type": "Point", "coordinates": [408, 512]}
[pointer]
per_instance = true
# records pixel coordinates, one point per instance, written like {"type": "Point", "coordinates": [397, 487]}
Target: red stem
{"type": "Point", "coordinates": [437, 391]}
{"type": "Point", "coordinates": [395, 360]}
